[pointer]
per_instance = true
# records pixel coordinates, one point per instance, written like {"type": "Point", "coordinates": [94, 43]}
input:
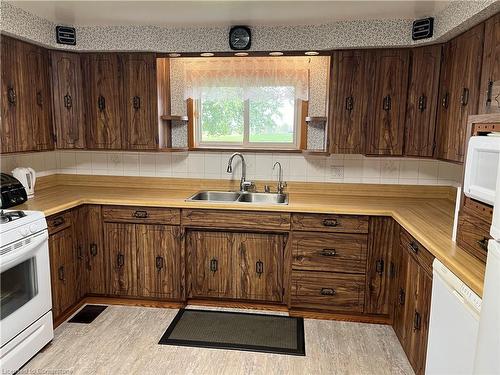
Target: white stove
{"type": "Point", "coordinates": [25, 299]}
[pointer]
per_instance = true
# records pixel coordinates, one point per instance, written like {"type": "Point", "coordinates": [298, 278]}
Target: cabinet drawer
{"type": "Point", "coordinates": [329, 252]}
{"type": "Point", "coordinates": [56, 223]}
{"type": "Point", "coordinates": [473, 235]}
{"type": "Point", "coordinates": [423, 256]}
{"type": "Point", "coordinates": [336, 292]}
{"type": "Point", "coordinates": [330, 223]}
{"type": "Point", "coordinates": [236, 219]}
{"type": "Point", "coordinates": [146, 215]}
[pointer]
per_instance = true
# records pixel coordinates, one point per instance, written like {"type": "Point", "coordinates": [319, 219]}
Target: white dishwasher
{"type": "Point", "coordinates": [453, 326]}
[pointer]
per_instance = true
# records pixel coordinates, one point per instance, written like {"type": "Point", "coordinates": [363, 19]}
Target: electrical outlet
{"type": "Point", "coordinates": [337, 171]}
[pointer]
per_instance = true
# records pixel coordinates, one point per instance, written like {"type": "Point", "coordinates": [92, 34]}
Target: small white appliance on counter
{"type": "Point", "coordinates": [27, 177]}
{"type": "Point", "coordinates": [483, 157]}
{"type": "Point", "coordinates": [25, 298]}
{"type": "Point", "coordinates": [453, 325]}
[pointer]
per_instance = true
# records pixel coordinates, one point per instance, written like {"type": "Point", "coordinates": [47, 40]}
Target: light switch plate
{"type": "Point", "coordinates": [337, 171]}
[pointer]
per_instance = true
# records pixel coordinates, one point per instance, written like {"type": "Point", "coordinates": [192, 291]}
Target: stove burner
{"type": "Point", "coordinates": [6, 217]}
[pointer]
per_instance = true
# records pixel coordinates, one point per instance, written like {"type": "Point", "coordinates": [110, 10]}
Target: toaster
{"type": "Point", "coordinates": [12, 191]}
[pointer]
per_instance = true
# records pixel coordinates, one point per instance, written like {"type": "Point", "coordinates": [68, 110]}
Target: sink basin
{"type": "Point", "coordinates": [215, 196]}
{"type": "Point", "coordinates": [263, 198]}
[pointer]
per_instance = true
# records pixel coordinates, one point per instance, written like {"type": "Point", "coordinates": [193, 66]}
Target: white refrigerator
{"type": "Point", "coordinates": [487, 360]}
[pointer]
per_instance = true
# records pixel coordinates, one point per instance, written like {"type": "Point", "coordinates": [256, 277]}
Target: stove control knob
{"type": "Point", "coordinates": [34, 228]}
{"type": "Point", "coordinates": [24, 231]}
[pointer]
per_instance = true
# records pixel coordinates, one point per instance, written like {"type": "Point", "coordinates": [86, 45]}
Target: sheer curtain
{"type": "Point", "coordinates": [244, 77]}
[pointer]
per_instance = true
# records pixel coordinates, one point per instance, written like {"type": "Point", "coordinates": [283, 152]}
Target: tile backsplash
{"type": "Point", "coordinates": [212, 165]}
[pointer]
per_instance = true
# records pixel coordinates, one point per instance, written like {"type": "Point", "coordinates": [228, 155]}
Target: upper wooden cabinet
{"type": "Point", "coordinates": [489, 99]}
{"type": "Point", "coordinates": [347, 102]}
{"type": "Point", "coordinates": [422, 100]}
{"type": "Point", "coordinates": [459, 92]}
{"type": "Point", "coordinates": [67, 96]}
{"type": "Point", "coordinates": [26, 103]}
{"type": "Point", "coordinates": [140, 101]}
{"type": "Point", "coordinates": [387, 75]}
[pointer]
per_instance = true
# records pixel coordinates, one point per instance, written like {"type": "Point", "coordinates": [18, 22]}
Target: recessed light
{"type": "Point", "coordinates": [174, 55]}
{"type": "Point", "coordinates": [277, 53]}
{"type": "Point", "coordinates": [206, 54]}
{"type": "Point", "coordinates": [312, 53]}
{"type": "Point", "coordinates": [241, 54]}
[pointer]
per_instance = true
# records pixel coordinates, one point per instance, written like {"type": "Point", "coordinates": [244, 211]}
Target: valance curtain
{"type": "Point", "coordinates": [245, 77]}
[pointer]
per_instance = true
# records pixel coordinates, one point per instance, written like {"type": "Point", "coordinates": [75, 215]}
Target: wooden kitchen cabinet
{"type": "Point", "coordinates": [140, 101]}
{"type": "Point", "coordinates": [387, 72]}
{"type": "Point", "coordinates": [489, 92]}
{"type": "Point", "coordinates": [348, 102]}
{"type": "Point", "coordinates": [103, 82]}
{"type": "Point", "coordinates": [459, 92]}
{"type": "Point", "coordinates": [421, 102]}
{"type": "Point", "coordinates": [67, 96]}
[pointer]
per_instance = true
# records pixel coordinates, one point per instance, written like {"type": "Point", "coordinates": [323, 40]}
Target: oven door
{"type": "Point", "coordinates": [483, 156]}
{"type": "Point", "coordinates": [25, 284]}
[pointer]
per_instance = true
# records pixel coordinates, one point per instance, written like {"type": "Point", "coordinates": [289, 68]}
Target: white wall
{"type": "Point", "coordinates": [212, 165]}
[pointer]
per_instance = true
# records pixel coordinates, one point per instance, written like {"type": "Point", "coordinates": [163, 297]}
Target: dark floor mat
{"type": "Point", "coordinates": [87, 314]}
{"type": "Point", "coordinates": [235, 330]}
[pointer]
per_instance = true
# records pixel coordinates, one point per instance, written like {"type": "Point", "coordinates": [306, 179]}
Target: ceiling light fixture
{"type": "Point", "coordinates": [241, 54]}
{"type": "Point", "coordinates": [276, 53]}
{"type": "Point", "coordinates": [206, 54]}
{"type": "Point", "coordinates": [174, 54]}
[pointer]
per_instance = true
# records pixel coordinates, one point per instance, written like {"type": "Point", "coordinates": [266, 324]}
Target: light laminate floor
{"type": "Point", "coordinates": [123, 340]}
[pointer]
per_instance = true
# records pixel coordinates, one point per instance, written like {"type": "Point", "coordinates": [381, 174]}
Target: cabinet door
{"type": "Point", "coordinates": [404, 304]}
{"type": "Point", "coordinates": [381, 266]}
{"type": "Point", "coordinates": [140, 101]}
{"type": "Point", "coordinates": [489, 97]}
{"type": "Point", "coordinates": [80, 232]}
{"type": "Point", "coordinates": [120, 246]}
{"type": "Point", "coordinates": [95, 261]}
{"type": "Point", "coordinates": [347, 102]}
{"type": "Point", "coordinates": [159, 261]}
{"type": "Point", "coordinates": [422, 101]}
{"type": "Point", "coordinates": [388, 71]}
{"type": "Point", "coordinates": [258, 270]}
{"type": "Point", "coordinates": [103, 80]}
{"type": "Point", "coordinates": [63, 280]}
{"type": "Point", "coordinates": [211, 258]}
{"type": "Point", "coordinates": [67, 99]}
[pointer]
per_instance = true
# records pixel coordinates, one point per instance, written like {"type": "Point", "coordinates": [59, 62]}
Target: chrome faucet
{"type": "Point", "coordinates": [281, 184]}
{"type": "Point", "coordinates": [244, 184]}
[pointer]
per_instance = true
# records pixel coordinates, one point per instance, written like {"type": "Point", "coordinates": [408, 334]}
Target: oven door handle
{"type": "Point", "coordinates": [18, 256]}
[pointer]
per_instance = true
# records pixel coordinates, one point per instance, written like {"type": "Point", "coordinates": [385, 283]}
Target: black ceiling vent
{"type": "Point", "coordinates": [422, 28]}
{"type": "Point", "coordinates": [66, 35]}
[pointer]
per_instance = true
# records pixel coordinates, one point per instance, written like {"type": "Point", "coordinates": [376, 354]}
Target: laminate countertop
{"type": "Point", "coordinates": [428, 219]}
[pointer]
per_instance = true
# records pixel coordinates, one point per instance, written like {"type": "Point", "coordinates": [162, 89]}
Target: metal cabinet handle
{"type": "Point", "coordinates": [444, 100]}
{"type": "Point", "coordinates": [259, 268]}
{"type": "Point", "coordinates": [489, 93]}
{"type": "Point", "coordinates": [68, 101]}
{"type": "Point", "coordinates": [379, 266]}
{"type": "Point", "coordinates": [387, 103]}
{"type": "Point", "coordinates": [120, 260]}
{"type": "Point", "coordinates": [136, 102]}
{"type": "Point", "coordinates": [60, 273]}
{"type": "Point", "coordinates": [483, 244]}
{"type": "Point", "coordinates": [349, 103]}
{"type": "Point", "coordinates": [214, 265]}
{"type": "Point", "coordinates": [93, 249]}
{"type": "Point", "coordinates": [417, 321]}
{"type": "Point", "coordinates": [464, 98]}
{"type": "Point", "coordinates": [328, 252]}
{"type": "Point", "coordinates": [101, 103]}
{"type": "Point", "coordinates": [79, 252]}
{"type": "Point", "coordinates": [140, 214]}
{"type": "Point", "coordinates": [422, 103]}
{"type": "Point", "coordinates": [327, 292]}
{"type": "Point", "coordinates": [58, 221]}
{"type": "Point", "coordinates": [331, 223]}
{"type": "Point", "coordinates": [413, 247]}
{"type": "Point", "coordinates": [159, 262]}
{"type": "Point", "coordinates": [392, 270]}
{"type": "Point", "coordinates": [39, 98]}
{"type": "Point", "coordinates": [11, 95]}
{"type": "Point", "coordinates": [402, 296]}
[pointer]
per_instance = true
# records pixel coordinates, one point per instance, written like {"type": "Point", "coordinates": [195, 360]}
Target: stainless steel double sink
{"type": "Point", "coordinates": [239, 197]}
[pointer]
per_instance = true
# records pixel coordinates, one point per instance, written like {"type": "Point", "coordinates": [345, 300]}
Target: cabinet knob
{"type": "Point", "coordinates": [93, 249]}
{"type": "Point", "coordinates": [349, 103]}
{"type": "Point", "coordinates": [136, 102]}
{"type": "Point", "coordinates": [101, 103]}
{"type": "Point", "coordinates": [120, 260]}
{"type": "Point", "coordinates": [331, 223]}
{"type": "Point", "coordinates": [379, 266]}
{"type": "Point", "coordinates": [489, 92]}
{"type": "Point", "coordinates": [464, 99]}
{"type": "Point", "coordinates": [214, 265]}
{"type": "Point", "coordinates": [159, 263]}
{"type": "Point", "coordinates": [58, 221]}
{"type": "Point", "coordinates": [327, 292]}
{"type": "Point", "coordinates": [328, 252]}
{"type": "Point", "coordinates": [60, 273]}
{"type": "Point", "coordinates": [39, 98]}
{"type": "Point", "coordinates": [68, 101]}
{"type": "Point", "coordinates": [259, 268]}
{"type": "Point", "coordinates": [387, 103]}
{"type": "Point", "coordinates": [417, 321]}
{"type": "Point", "coordinates": [413, 247]}
{"type": "Point", "coordinates": [401, 297]}
{"type": "Point", "coordinates": [11, 95]}
{"type": "Point", "coordinates": [444, 100]}
{"type": "Point", "coordinates": [140, 214]}
{"type": "Point", "coordinates": [422, 103]}
{"type": "Point", "coordinates": [483, 244]}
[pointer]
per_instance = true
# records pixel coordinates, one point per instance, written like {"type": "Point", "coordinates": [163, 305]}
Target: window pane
{"type": "Point", "coordinates": [272, 114]}
{"type": "Point", "coordinates": [222, 115]}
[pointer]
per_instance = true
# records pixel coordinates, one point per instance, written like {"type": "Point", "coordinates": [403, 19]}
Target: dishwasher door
{"type": "Point", "coordinates": [454, 325]}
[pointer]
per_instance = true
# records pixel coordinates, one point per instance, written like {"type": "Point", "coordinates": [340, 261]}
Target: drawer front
{"type": "Point", "coordinates": [329, 252]}
{"type": "Point", "coordinates": [473, 236]}
{"type": "Point", "coordinates": [146, 215]}
{"type": "Point", "coordinates": [236, 219]}
{"type": "Point", "coordinates": [330, 223]}
{"type": "Point", "coordinates": [423, 256]}
{"type": "Point", "coordinates": [56, 223]}
{"type": "Point", "coordinates": [335, 292]}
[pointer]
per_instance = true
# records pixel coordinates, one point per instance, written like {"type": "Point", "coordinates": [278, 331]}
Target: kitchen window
{"type": "Point", "coordinates": [251, 102]}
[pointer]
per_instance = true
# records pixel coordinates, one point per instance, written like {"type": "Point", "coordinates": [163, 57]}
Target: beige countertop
{"type": "Point", "coordinates": [427, 214]}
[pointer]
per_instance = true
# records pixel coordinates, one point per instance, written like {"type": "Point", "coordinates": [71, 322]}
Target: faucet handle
{"type": "Point", "coordinates": [247, 185]}
{"type": "Point", "coordinates": [267, 189]}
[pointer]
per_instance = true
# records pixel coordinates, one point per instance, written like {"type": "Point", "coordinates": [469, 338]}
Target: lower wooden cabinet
{"type": "Point", "coordinates": [245, 266]}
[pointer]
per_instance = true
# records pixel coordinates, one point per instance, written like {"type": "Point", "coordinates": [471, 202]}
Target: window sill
{"type": "Point", "coordinates": [238, 149]}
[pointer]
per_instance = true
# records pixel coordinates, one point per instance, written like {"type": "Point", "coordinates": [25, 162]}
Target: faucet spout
{"type": "Point", "coordinates": [244, 184]}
